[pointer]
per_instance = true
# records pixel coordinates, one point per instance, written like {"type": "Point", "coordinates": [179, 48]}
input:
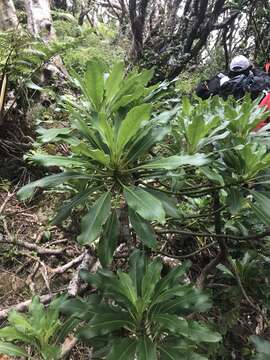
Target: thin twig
{"type": "Point", "coordinates": [38, 249]}
{"type": "Point", "coordinates": [207, 269]}
{"type": "Point", "coordinates": [8, 197]}
{"type": "Point", "coordinates": [243, 291]}
{"type": "Point", "coordinates": [228, 236]}
{"type": "Point", "coordinates": [188, 255]}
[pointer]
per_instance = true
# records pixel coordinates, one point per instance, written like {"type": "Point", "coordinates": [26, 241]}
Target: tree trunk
{"type": "Point", "coordinates": [137, 16]}
{"type": "Point", "coordinates": [8, 17]}
{"type": "Point", "coordinates": [39, 19]}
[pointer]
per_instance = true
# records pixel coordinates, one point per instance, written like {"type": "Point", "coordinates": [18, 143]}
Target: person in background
{"type": "Point", "coordinates": [266, 66]}
{"type": "Point", "coordinates": [242, 78]}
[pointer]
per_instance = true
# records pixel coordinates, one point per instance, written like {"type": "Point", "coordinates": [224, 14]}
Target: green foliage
{"type": "Point", "coordinates": [21, 56]}
{"type": "Point", "coordinates": [141, 314]}
{"type": "Point", "coordinates": [89, 43]}
{"type": "Point", "coordinates": [40, 328]}
{"type": "Point", "coordinates": [262, 346]}
{"type": "Point", "coordinates": [112, 131]}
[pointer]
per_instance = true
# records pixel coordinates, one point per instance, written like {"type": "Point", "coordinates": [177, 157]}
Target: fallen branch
{"type": "Point", "coordinates": [74, 284]}
{"type": "Point", "coordinates": [63, 268]}
{"type": "Point", "coordinates": [23, 306]}
{"type": "Point", "coordinates": [30, 246]}
{"type": "Point", "coordinates": [38, 249]}
{"type": "Point", "coordinates": [180, 257]}
{"type": "Point", "coordinates": [207, 269]}
{"type": "Point", "coordinates": [8, 197]}
{"type": "Point", "coordinates": [67, 346]}
{"type": "Point", "coordinates": [221, 236]}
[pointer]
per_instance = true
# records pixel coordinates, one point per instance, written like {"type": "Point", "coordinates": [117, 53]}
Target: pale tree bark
{"type": "Point", "coordinates": [39, 20]}
{"type": "Point", "coordinates": [8, 17]}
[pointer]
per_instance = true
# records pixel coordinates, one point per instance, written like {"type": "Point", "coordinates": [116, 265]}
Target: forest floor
{"type": "Point", "coordinates": [37, 258]}
{"type": "Point", "coordinates": [25, 267]}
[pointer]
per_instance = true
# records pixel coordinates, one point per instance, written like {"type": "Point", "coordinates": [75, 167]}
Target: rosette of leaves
{"type": "Point", "coordinates": [221, 124]}
{"type": "Point", "coordinates": [110, 140]}
{"type": "Point", "coordinates": [141, 315]}
{"type": "Point", "coordinates": [240, 158]}
{"type": "Point", "coordinates": [40, 329]}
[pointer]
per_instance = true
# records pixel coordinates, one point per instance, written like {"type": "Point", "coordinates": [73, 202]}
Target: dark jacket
{"type": "Point", "coordinates": [253, 81]}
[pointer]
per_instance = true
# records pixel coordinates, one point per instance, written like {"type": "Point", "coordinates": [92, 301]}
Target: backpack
{"type": "Point", "coordinates": [236, 86]}
{"type": "Point", "coordinates": [210, 87]}
{"type": "Point", "coordinates": [239, 85]}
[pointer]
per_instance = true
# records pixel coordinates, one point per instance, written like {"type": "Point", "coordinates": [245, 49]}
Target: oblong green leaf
{"type": "Point", "coordinates": [200, 333]}
{"type": "Point", "coordinates": [175, 161]}
{"type": "Point", "coordinates": [145, 141]}
{"type": "Point", "coordinates": [137, 265]}
{"type": "Point", "coordinates": [262, 207]}
{"type": "Point", "coordinates": [150, 279]}
{"type": "Point", "coordinates": [114, 80]}
{"type": "Point", "coordinates": [67, 207]}
{"type": "Point", "coordinates": [52, 180]}
{"type": "Point", "coordinates": [145, 204]}
{"type": "Point", "coordinates": [95, 154]}
{"type": "Point", "coordinates": [169, 203]}
{"type": "Point", "coordinates": [10, 333]}
{"type": "Point", "coordinates": [131, 124]}
{"type": "Point", "coordinates": [102, 324]}
{"type": "Point", "coordinates": [143, 229]}
{"type": "Point", "coordinates": [54, 160]}
{"type": "Point", "coordinates": [92, 222]}
{"type": "Point", "coordinates": [172, 323]}
{"type": "Point", "coordinates": [146, 349]}
{"type": "Point", "coordinates": [49, 135]}
{"type": "Point", "coordinates": [11, 350]}
{"type": "Point", "coordinates": [109, 240]}
{"type": "Point", "coordinates": [94, 82]}
{"type": "Point", "coordinates": [122, 349]}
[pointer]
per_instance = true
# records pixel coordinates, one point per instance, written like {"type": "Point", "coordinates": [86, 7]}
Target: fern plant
{"type": "Point", "coordinates": [22, 59]}
{"type": "Point", "coordinates": [141, 315]}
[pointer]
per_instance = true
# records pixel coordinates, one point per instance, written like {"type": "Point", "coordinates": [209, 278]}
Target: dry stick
{"type": "Point", "coordinates": [38, 249]}
{"type": "Point", "coordinates": [207, 269]}
{"type": "Point", "coordinates": [217, 236]}
{"type": "Point", "coordinates": [30, 279]}
{"type": "Point", "coordinates": [63, 268]}
{"type": "Point", "coordinates": [223, 254]}
{"type": "Point", "coordinates": [188, 255]}
{"type": "Point", "coordinates": [74, 284]}
{"type": "Point", "coordinates": [61, 241]}
{"type": "Point", "coordinates": [9, 196]}
{"type": "Point", "coordinates": [67, 346]}
{"type": "Point", "coordinates": [23, 306]}
{"type": "Point", "coordinates": [44, 271]}
{"type": "Point", "coordinates": [45, 299]}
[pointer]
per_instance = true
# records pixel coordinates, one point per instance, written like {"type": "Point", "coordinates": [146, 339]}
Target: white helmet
{"type": "Point", "coordinates": [239, 63]}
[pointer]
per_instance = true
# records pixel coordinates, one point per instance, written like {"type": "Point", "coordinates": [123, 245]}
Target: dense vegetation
{"type": "Point", "coordinates": [134, 216]}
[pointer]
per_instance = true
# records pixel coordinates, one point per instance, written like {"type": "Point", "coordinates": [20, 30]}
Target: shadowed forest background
{"type": "Point", "coordinates": [134, 216]}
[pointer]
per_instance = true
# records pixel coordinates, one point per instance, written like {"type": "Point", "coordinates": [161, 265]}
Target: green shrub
{"type": "Point", "coordinates": [141, 314]}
